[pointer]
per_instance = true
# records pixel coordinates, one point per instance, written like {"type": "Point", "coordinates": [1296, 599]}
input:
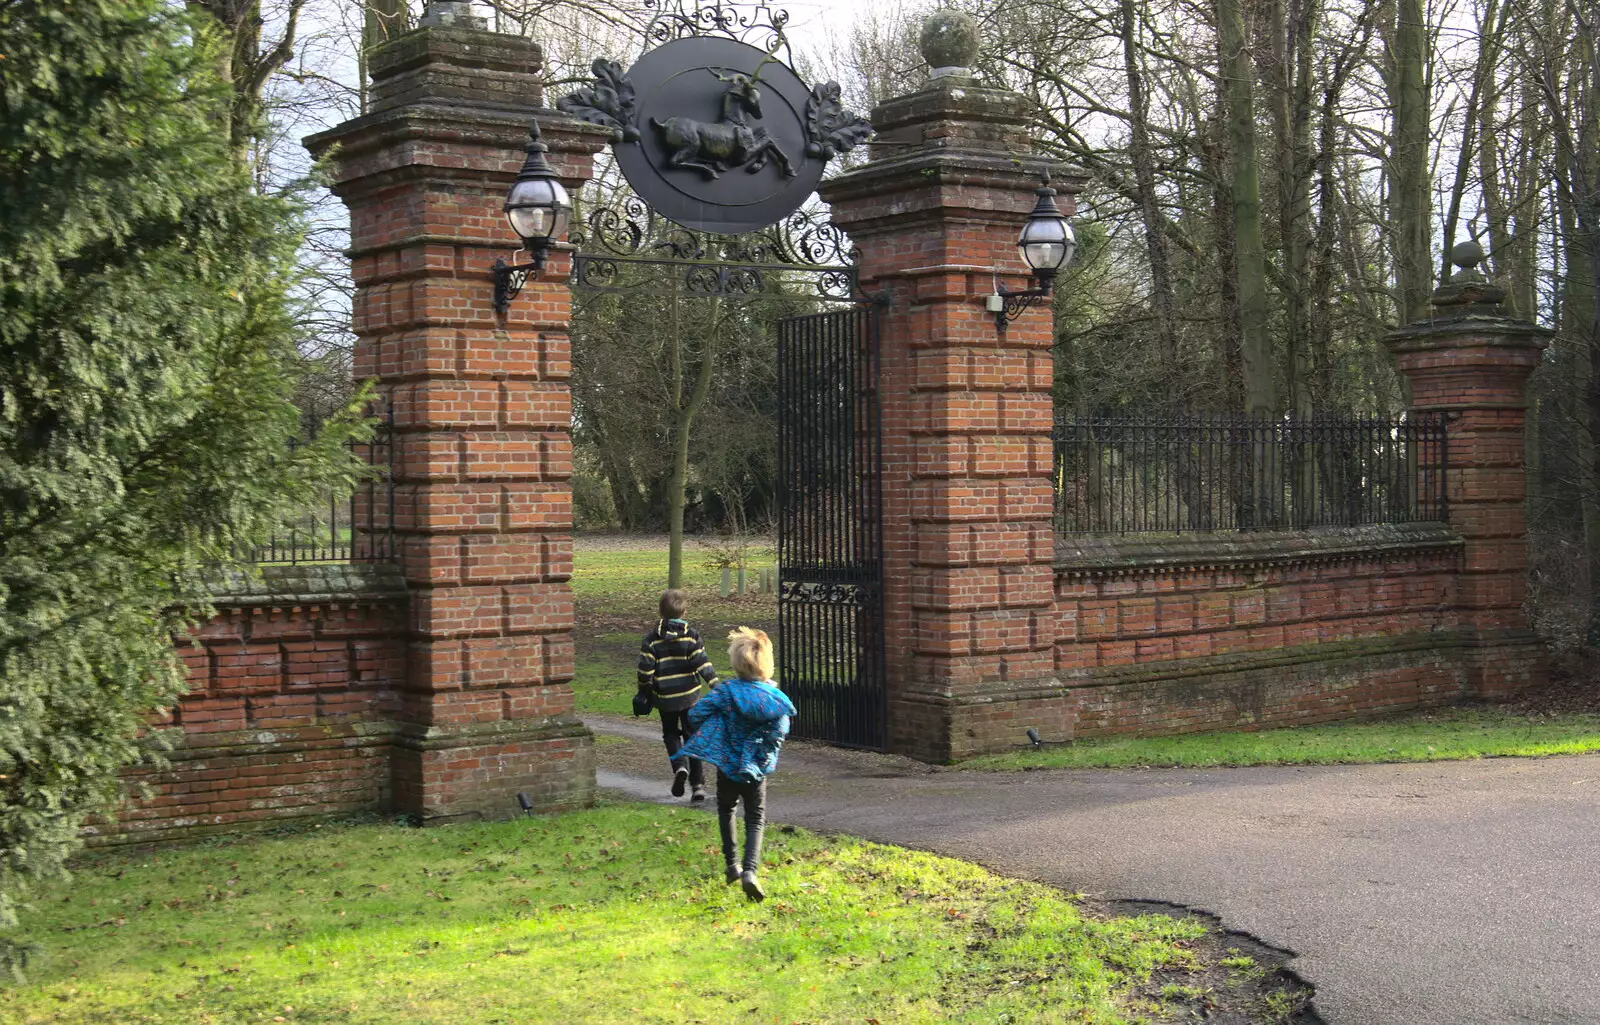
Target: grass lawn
{"type": "Point", "coordinates": [615, 590]}
{"type": "Point", "coordinates": [617, 914]}
{"type": "Point", "coordinates": [628, 580]}
{"type": "Point", "coordinates": [1416, 737]}
{"type": "Point", "coordinates": [604, 675]}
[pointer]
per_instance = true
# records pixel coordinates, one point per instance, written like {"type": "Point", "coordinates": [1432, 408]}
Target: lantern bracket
{"type": "Point", "coordinates": [510, 277]}
{"type": "Point", "coordinates": [1008, 305]}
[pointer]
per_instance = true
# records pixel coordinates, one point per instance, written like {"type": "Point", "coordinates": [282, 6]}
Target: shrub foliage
{"type": "Point", "coordinates": [146, 373]}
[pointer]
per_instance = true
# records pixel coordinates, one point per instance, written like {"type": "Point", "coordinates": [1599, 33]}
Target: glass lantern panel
{"type": "Point", "coordinates": [531, 221]}
{"type": "Point", "coordinates": [1044, 255]}
{"type": "Point", "coordinates": [538, 208]}
{"type": "Point", "coordinates": [1045, 229]}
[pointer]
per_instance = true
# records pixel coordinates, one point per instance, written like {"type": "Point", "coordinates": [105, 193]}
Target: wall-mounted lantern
{"type": "Point", "coordinates": [539, 211]}
{"type": "Point", "coordinates": [1047, 245]}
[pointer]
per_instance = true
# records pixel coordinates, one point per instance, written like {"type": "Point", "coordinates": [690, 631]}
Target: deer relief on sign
{"type": "Point", "coordinates": [712, 147]}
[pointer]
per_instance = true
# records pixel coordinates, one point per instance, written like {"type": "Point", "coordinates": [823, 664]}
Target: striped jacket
{"type": "Point", "coordinates": [673, 664]}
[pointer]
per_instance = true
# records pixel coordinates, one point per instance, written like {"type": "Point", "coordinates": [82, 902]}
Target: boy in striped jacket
{"type": "Point", "coordinates": [675, 671]}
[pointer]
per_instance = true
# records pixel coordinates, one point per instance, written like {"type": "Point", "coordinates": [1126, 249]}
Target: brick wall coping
{"type": "Point", "coordinates": [308, 584]}
{"type": "Point", "coordinates": [953, 166]}
{"type": "Point", "coordinates": [1101, 554]}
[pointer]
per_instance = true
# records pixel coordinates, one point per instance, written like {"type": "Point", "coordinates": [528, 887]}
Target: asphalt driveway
{"type": "Point", "coordinates": [1455, 893]}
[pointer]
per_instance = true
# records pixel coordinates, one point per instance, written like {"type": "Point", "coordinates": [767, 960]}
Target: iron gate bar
{"type": "Point", "coordinates": [830, 527]}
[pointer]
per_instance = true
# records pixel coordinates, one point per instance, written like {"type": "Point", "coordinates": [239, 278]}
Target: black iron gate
{"type": "Point", "coordinates": [830, 527]}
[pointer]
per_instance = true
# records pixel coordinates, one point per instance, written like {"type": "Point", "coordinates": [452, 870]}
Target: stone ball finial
{"type": "Point", "coordinates": [1466, 255]}
{"type": "Point", "coordinates": [451, 12]}
{"type": "Point", "coordinates": [949, 43]}
{"type": "Point", "coordinates": [1467, 289]}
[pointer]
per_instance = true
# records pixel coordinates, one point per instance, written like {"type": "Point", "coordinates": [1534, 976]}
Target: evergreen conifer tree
{"type": "Point", "coordinates": [146, 374]}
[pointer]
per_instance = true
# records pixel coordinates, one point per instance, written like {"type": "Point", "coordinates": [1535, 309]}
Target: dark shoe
{"type": "Point", "coordinates": [752, 886]}
{"type": "Point", "coordinates": [697, 794]}
{"type": "Point", "coordinates": [733, 874]}
{"type": "Point", "coordinates": [679, 780]}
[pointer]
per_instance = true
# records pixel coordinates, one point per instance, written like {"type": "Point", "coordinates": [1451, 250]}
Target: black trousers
{"type": "Point", "coordinates": [754, 796]}
{"type": "Point", "coordinates": [674, 731]}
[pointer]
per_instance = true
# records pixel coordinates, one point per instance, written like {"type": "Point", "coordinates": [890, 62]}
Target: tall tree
{"type": "Point", "coordinates": [1249, 251]}
{"type": "Point", "coordinates": [147, 365]}
{"type": "Point", "coordinates": [246, 59]}
{"type": "Point", "coordinates": [1410, 197]}
{"type": "Point", "coordinates": [382, 20]}
{"type": "Point", "coordinates": [1157, 246]}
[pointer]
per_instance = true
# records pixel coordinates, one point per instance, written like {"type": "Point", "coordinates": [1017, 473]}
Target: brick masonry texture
{"type": "Point", "coordinates": [482, 411]}
{"type": "Point", "coordinates": [449, 695]}
{"type": "Point", "coordinates": [294, 688]}
{"type": "Point", "coordinates": [993, 627]}
{"type": "Point", "coordinates": [440, 687]}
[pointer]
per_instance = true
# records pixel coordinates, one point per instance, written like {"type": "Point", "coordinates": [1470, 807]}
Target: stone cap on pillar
{"type": "Point", "coordinates": [1469, 354]}
{"type": "Point", "coordinates": [446, 95]}
{"type": "Point", "coordinates": [954, 109]}
{"type": "Point", "coordinates": [456, 61]}
{"type": "Point", "coordinates": [1469, 313]}
{"type": "Point", "coordinates": [954, 131]}
{"type": "Point", "coordinates": [452, 12]}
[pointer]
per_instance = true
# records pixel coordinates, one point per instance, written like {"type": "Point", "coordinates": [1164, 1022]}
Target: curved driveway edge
{"type": "Point", "coordinates": [1451, 893]}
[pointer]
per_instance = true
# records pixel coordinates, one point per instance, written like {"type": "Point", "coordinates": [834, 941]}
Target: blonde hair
{"type": "Point", "coordinates": [750, 653]}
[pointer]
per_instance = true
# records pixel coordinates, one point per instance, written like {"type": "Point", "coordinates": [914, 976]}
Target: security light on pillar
{"type": "Point", "coordinates": [539, 211]}
{"type": "Point", "coordinates": [1047, 245]}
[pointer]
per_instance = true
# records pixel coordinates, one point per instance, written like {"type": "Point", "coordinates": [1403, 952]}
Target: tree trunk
{"type": "Point", "coordinates": [384, 20]}
{"type": "Point", "coordinates": [1157, 245]}
{"type": "Point", "coordinates": [1473, 126]}
{"type": "Point", "coordinates": [1249, 257]}
{"type": "Point", "coordinates": [683, 421]}
{"type": "Point", "coordinates": [1409, 200]}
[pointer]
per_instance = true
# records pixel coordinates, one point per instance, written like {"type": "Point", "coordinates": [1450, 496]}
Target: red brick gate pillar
{"type": "Point", "coordinates": [1471, 362]}
{"type": "Point", "coordinates": [482, 414]}
{"type": "Point", "coordinates": [966, 409]}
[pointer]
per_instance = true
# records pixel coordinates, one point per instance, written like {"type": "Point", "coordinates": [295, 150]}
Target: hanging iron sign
{"type": "Point", "coordinates": [715, 134]}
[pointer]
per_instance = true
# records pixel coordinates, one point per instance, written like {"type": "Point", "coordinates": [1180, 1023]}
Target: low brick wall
{"type": "Point", "coordinates": [1184, 633]}
{"type": "Point", "coordinates": [296, 683]}
{"type": "Point", "coordinates": [1188, 633]}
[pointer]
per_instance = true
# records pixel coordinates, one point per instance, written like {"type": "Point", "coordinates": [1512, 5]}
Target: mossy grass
{"type": "Point", "coordinates": [1436, 735]}
{"type": "Point", "coordinates": [615, 914]}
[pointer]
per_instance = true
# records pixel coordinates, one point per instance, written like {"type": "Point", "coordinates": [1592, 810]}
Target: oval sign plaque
{"type": "Point", "coordinates": [717, 135]}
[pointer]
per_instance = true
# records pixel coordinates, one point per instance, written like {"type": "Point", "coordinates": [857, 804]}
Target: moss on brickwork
{"type": "Point", "coordinates": [306, 583]}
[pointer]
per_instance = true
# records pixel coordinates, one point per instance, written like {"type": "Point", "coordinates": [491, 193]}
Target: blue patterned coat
{"type": "Point", "coordinates": [739, 727]}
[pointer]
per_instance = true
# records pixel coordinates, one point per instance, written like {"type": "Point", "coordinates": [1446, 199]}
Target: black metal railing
{"type": "Point", "coordinates": [1213, 473]}
{"type": "Point", "coordinates": [346, 525]}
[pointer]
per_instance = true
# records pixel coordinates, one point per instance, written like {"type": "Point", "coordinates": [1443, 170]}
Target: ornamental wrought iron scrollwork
{"type": "Point", "coordinates": [627, 233]}
{"type": "Point", "coordinates": [597, 273]}
{"type": "Point", "coordinates": [804, 240]}
{"type": "Point", "coordinates": [715, 93]}
{"type": "Point", "coordinates": [508, 281]}
{"type": "Point", "coordinates": [755, 24]}
{"type": "Point", "coordinates": [824, 592]}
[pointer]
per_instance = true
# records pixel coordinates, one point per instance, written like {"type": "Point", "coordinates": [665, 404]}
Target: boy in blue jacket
{"type": "Point", "coordinates": [739, 728]}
